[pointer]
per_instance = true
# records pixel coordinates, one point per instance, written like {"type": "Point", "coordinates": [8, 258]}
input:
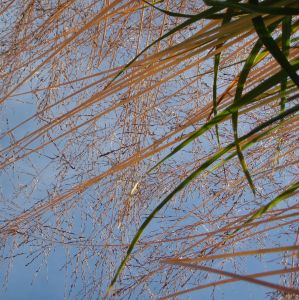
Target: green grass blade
{"type": "Point", "coordinates": [169, 13]}
{"type": "Point", "coordinates": [252, 58]}
{"type": "Point", "coordinates": [263, 7]}
{"type": "Point", "coordinates": [215, 81]}
{"type": "Point", "coordinates": [272, 47]}
{"type": "Point", "coordinates": [247, 145]}
{"type": "Point", "coordinates": [245, 100]}
{"type": "Point", "coordinates": [285, 195]}
{"type": "Point", "coordinates": [286, 42]}
{"type": "Point", "coordinates": [243, 147]}
{"type": "Point", "coordinates": [226, 19]}
{"type": "Point", "coordinates": [187, 16]}
{"type": "Point", "coordinates": [193, 175]}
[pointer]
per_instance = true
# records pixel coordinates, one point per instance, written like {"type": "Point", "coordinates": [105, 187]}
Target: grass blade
{"type": "Point", "coordinates": [251, 60]}
{"type": "Point", "coordinates": [169, 13]}
{"type": "Point", "coordinates": [226, 19]}
{"type": "Point", "coordinates": [286, 42]}
{"type": "Point", "coordinates": [245, 100]}
{"type": "Point", "coordinates": [254, 7]}
{"type": "Point", "coordinates": [285, 195]}
{"type": "Point", "coordinates": [272, 47]}
{"type": "Point", "coordinates": [240, 86]}
{"type": "Point", "coordinates": [187, 16]}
